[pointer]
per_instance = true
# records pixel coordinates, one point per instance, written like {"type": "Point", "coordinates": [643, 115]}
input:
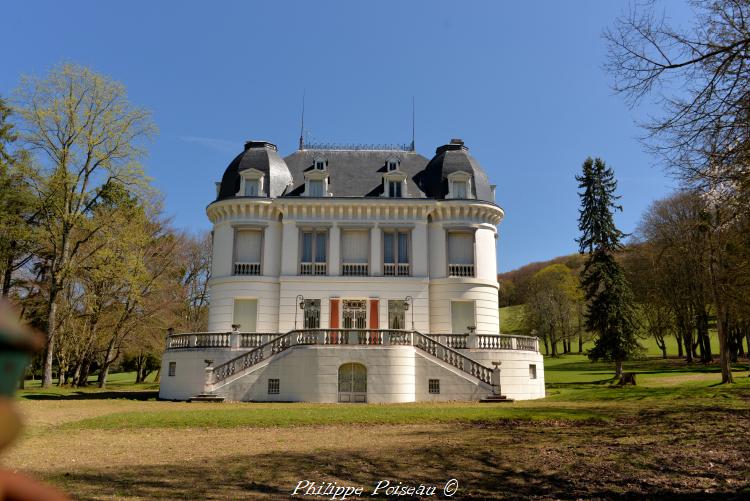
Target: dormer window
{"type": "Point", "coordinates": [394, 179]}
{"type": "Point", "coordinates": [251, 183]}
{"type": "Point", "coordinates": [316, 180]}
{"type": "Point", "coordinates": [459, 185]}
{"type": "Point", "coordinates": [251, 188]}
{"type": "Point", "coordinates": [317, 188]}
{"type": "Point", "coordinates": [459, 189]}
{"type": "Point", "coordinates": [394, 189]}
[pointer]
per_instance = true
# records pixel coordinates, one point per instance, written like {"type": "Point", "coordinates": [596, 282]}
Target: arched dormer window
{"type": "Point", "coordinates": [459, 185]}
{"type": "Point", "coordinates": [251, 183]}
{"type": "Point", "coordinates": [320, 163]}
{"type": "Point", "coordinates": [392, 164]}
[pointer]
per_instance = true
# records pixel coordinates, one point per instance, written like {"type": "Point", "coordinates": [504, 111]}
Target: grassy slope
{"type": "Point", "coordinates": [511, 322]}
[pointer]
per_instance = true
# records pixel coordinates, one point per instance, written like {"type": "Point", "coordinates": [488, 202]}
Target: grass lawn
{"type": "Point", "coordinates": [677, 434]}
{"type": "Point", "coordinates": [511, 322]}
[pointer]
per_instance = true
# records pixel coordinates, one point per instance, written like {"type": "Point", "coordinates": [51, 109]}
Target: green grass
{"type": "Point", "coordinates": [285, 415]}
{"type": "Point", "coordinates": [511, 322]}
{"type": "Point", "coordinates": [117, 381]}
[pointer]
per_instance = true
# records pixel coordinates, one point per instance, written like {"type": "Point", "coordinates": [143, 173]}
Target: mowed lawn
{"type": "Point", "coordinates": [677, 434]}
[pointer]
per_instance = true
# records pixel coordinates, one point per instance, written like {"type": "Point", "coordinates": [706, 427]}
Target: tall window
{"type": "Point", "coordinates": [396, 314]}
{"type": "Point", "coordinates": [396, 253]}
{"type": "Point", "coordinates": [462, 316]}
{"type": "Point", "coordinates": [312, 314]}
{"type": "Point", "coordinates": [246, 314]}
{"type": "Point", "coordinates": [461, 254]}
{"type": "Point", "coordinates": [459, 189]}
{"type": "Point", "coordinates": [251, 187]}
{"type": "Point", "coordinates": [314, 252]}
{"type": "Point", "coordinates": [317, 187]}
{"type": "Point", "coordinates": [394, 189]}
{"type": "Point", "coordinates": [247, 251]}
{"type": "Point", "coordinates": [355, 252]}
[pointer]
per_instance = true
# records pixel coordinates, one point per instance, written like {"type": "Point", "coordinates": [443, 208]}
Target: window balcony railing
{"type": "Point", "coordinates": [313, 269]}
{"type": "Point", "coordinates": [355, 269]}
{"type": "Point", "coordinates": [461, 270]}
{"type": "Point", "coordinates": [246, 268]}
{"type": "Point", "coordinates": [396, 270]}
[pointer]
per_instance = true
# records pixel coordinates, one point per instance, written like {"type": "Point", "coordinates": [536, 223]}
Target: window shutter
{"type": "Point", "coordinates": [460, 248]}
{"type": "Point", "coordinates": [356, 246]}
{"type": "Point", "coordinates": [334, 320]}
{"type": "Point", "coordinates": [374, 313]}
{"type": "Point", "coordinates": [247, 246]}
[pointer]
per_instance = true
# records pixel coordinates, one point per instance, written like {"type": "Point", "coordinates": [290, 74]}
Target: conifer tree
{"type": "Point", "coordinates": [610, 312]}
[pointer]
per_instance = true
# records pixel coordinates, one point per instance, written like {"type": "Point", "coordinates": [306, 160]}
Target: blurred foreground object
{"type": "Point", "coordinates": [17, 344]}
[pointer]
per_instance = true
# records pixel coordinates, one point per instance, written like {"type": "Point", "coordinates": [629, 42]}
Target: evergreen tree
{"type": "Point", "coordinates": [610, 313]}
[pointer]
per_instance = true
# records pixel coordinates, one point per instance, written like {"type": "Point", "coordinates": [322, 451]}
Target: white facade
{"type": "Point", "coordinates": [363, 269]}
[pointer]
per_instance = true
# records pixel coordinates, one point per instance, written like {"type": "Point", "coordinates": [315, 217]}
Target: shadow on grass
{"type": "Point", "coordinates": [93, 395]}
{"type": "Point", "coordinates": [484, 474]}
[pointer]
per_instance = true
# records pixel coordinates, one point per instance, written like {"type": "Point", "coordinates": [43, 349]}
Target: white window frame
{"type": "Point", "coordinates": [474, 308]}
{"type": "Point", "coordinates": [394, 176]}
{"type": "Point", "coordinates": [459, 177]}
{"type": "Point", "coordinates": [251, 175]}
{"type": "Point", "coordinates": [262, 231]}
{"type": "Point", "coordinates": [395, 232]}
{"type": "Point", "coordinates": [317, 175]}
{"type": "Point", "coordinates": [315, 231]}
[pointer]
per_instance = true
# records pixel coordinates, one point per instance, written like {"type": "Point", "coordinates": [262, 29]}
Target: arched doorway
{"type": "Point", "coordinates": [352, 383]}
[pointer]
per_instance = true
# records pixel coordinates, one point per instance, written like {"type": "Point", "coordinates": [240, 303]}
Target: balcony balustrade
{"type": "Point", "coordinates": [396, 270]}
{"type": "Point", "coordinates": [355, 269]}
{"type": "Point", "coordinates": [313, 269]}
{"type": "Point", "coordinates": [246, 268]}
{"type": "Point", "coordinates": [461, 270]}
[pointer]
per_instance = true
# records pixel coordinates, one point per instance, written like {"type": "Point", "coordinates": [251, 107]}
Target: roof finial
{"type": "Point", "coordinates": [302, 126]}
{"type": "Point", "coordinates": [413, 144]}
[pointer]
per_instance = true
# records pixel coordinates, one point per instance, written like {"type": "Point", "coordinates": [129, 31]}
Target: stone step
{"type": "Point", "coordinates": [497, 399]}
{"type": "Point", "coordinates": [206, 397]}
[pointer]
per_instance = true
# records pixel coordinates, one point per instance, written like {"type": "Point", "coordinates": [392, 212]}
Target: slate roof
{"type": "Point", "coordinates": [450, 158]}
{"type": "Point", "coordinates": [262, 156]}
{"type": "Point", "coordinates": [355, 173]}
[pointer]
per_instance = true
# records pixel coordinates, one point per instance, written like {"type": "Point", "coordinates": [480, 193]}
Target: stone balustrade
{"type": "Point", "coordinates": [365, 337]}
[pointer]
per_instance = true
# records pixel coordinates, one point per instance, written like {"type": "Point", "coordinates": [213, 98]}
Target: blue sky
{"type": "Point", "coordinates": [521, 82]}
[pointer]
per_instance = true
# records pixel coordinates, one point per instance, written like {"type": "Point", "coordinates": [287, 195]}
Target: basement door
{"type": "Point", "coordinates": [353, 383]}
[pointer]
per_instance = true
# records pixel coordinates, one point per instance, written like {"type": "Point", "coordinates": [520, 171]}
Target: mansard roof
{"type": "Point", "coordinates": [262, 156]}
{"type": "Point", "coordinates": [450, 158]}
{"type": "Point", "coordinates": [357, 173]}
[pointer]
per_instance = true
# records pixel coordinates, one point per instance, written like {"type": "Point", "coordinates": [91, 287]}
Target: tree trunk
{"type": "Point", "coordinates": [8, 273]}
{"type": "Point", "coordinates": [49, 352]}
{"type": "Point", "coordinates": [679, 346]}
{"type": "Point", "coordinates": [546, 347]}
{"type": "Point", "coordinates": [618, 369]}
{"type": "Point", "coordinates": [580, 343]}
{"type": "Point", "coordinates": [104, 369]}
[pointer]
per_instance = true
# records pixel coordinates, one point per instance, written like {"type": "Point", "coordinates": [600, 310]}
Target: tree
{"type": "Point", "coordinates": [88, 137]}
{"type": "Point", "coordinates": [551, 306]}
{"type": "Point", "coordinates": [700, 75]}
{"type": "Point", "coordinates": [609, 313]}
{"type": "Point", "coordinates": [17, 204]}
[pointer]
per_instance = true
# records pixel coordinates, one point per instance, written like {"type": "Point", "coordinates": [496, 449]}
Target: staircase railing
{"type": "Point", "coordinates": [452, 357]}
{"type": "Point", "coordinates": [362, 337]}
